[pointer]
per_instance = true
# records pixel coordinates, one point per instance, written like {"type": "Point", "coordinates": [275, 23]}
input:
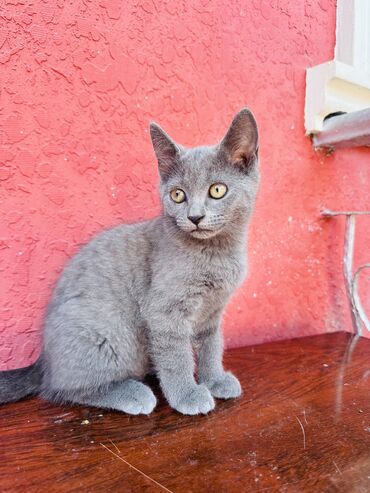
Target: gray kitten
{"type": "Point", "coordinates": [142, 297]}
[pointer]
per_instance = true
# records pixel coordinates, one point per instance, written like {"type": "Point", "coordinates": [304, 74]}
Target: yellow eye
{"type": "Point", "coordinates": [217, 190]}
{"type": "Point", "coordinates": [178, 195]}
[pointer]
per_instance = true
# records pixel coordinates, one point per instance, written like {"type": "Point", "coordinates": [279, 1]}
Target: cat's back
{"type": "Point", "coordinates": [117, 257]}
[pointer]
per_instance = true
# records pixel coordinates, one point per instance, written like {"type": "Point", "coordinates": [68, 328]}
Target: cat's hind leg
{"type": "Point", "coordinates": [129, 396]}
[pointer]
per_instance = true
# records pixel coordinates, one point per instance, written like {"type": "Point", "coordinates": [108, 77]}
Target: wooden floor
{"type": "Point", "coordinates": [302, 425]}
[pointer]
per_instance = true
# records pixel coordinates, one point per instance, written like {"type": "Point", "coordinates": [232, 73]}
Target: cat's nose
{"type": "Point", "coordinates": [195, 219]}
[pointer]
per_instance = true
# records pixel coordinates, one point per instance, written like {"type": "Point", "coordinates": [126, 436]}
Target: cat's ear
{"type": "Point", "coordinates": [241, 140]}
{"type": "Point", "coordinates": [165, 149]}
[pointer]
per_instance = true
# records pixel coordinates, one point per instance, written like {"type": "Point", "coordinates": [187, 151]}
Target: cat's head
{"type": "Point", "coordinates": [211, 189]}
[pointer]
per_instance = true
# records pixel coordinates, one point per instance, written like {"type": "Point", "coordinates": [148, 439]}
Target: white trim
{"type": "Point", "coordinates": [342, 84]}
{"type": "Point", "coordinates": [353, 34]}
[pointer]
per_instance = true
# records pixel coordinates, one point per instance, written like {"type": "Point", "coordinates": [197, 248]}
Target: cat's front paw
{"type": "Point", "coordinates": [197, 400]}
{"type": "Point", "coordinates": [225, 387]}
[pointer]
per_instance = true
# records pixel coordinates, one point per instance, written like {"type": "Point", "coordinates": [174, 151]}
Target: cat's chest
{"type": "Point", "coordinates": [215, 274]}
{"type": "Point", "coordinates": [210, 282]}
{"type": "Point", "coordinates": [195, 287]}
{"type": "Point", "coordinates": [210, 286]}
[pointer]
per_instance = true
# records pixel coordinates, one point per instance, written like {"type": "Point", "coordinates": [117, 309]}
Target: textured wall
{"type": "Point", "coordinates": [79, 82]}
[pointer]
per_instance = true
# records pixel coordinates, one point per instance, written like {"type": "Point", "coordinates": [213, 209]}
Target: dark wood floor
{"type": "Point", "coordinates": [302, 425]}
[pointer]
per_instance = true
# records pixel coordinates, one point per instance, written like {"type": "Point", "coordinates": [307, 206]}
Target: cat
{"type": "Point", "coordinates": [142, 297]}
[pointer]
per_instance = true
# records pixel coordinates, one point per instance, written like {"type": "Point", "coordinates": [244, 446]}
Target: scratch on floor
{"type": "Point", "coordinates": [62, 415]}
{"type": "Point", "coordinates": [304, 433]}
{"type": "Point", "coordinates": [136, 469]}
{"type": "Point", "coordinates": [304, 415]}
{"type": "Point", "coordinates": [115, 446]}
{"type": "Point", "coordinates": [336, 467]}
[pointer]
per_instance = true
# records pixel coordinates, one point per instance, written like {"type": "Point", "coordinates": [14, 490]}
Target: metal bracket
{"type": "Point", "coordinates": [344, 130]}
{"type": "Point", "coordinates": [359, 317]}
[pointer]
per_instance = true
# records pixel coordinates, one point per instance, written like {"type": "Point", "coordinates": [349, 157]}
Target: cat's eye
{"type": "Point", "coordinates": [178, 195]}
{"type": "Point", "coordinates": [217, 190]}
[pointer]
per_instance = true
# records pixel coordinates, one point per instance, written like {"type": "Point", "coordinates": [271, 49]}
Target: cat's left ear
{"type": "Point", "coordinates": [166, 150]}
{"type": "Point", "coordinates": [241, 140]}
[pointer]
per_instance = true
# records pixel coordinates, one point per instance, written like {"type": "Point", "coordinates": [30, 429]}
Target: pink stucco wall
{"type": "Point", "coordinates": [79, 83]}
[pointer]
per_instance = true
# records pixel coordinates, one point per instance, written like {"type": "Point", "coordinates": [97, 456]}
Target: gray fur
{"type": "Point", "coordinates": [144, 296]}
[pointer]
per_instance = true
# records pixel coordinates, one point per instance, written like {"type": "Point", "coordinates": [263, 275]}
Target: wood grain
{"type": "Point", "coordinates": [302, 425]}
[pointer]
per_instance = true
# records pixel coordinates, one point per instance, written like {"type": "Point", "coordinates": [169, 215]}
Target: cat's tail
{"type": "Point", "coordinates": [15, 384]}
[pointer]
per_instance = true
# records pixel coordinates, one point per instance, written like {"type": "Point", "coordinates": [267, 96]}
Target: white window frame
{"type": "Point", "coordinates": [342, 84]}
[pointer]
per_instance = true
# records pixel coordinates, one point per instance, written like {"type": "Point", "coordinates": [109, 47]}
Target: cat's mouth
{"type": "Point", "coordinates": [203, 233]}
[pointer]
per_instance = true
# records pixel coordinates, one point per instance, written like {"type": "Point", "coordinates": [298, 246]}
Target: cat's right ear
{"type": "Point", "coordinates": [165, 149]}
